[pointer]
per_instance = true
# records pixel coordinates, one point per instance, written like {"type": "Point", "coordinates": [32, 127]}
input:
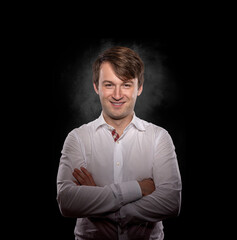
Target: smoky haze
{"type": "Point", "coordinates": [83, 103]}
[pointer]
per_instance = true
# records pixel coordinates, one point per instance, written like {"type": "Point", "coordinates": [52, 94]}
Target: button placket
{"type": "Point", "coordinates": [118, 163]}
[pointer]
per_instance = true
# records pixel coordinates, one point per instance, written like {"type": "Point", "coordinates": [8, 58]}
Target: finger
{"type": "Point", "coordinates": [77, 171]}
{"type": "Point", "coordinates": [80, 173]}
{"type": "Point", "coordinates": [84, 179]}
{"type": "Point", "coordinates": [84, 170]}
{"type": "Point", "coordinates": [88, 174]}
{"type": "Point", "coordinates": [77, 176]}
{"type": "Point", "coordinates": [77, 183]}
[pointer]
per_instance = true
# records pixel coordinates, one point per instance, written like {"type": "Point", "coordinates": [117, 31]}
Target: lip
{"type": "Point", "coordinates": [117, 104]}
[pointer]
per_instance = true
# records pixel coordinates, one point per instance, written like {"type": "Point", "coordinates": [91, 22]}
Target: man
{"type": "Point", "coordinates": [118, 175]}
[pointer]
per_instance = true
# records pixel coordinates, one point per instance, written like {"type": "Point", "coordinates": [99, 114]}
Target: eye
{"type": "Point", "coordinates": [127, 85]}
{"type": "Point", "coordinates": [108, 85]}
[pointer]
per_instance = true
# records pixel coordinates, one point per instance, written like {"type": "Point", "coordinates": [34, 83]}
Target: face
{"type": "Point", "coordinates": [117, 97]}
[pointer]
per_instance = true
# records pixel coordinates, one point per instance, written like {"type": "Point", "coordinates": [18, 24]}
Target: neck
{"type": "Point", "coordinates": [118, 124]}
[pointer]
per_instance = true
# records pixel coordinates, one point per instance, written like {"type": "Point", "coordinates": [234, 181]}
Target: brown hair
{"type": "Point", "coordinates": [125, 62]}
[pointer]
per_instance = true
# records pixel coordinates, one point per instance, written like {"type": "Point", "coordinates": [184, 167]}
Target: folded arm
{"type": "Point", "coordinates": [165, 201]}
{"type": "Point", "coordinates": [84, 201]}
{"type": "Point", "coordinates": [84, 178]}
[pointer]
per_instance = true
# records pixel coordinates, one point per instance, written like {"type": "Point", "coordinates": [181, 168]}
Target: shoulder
{"type": "Point", "coordinates": [155, 132]}
{"type": "Point", "coordinates": [83, 131]}
{"type": "Point", "coordinates": [150, 127]}
{"type": "Point", "coordinates": [78, 136]}
{"type": "Point", "coordinates": [87, 129]}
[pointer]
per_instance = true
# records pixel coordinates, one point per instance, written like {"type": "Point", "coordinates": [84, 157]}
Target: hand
{"type": "Point", "coordinates": [83, 177]}
{"type": "Point", "coordinates": [147, 186]}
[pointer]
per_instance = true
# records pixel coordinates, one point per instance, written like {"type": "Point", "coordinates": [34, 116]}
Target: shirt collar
{"type": "Point", "coordinates": [100, 121]}
{"type": "Point", "coordinates": [137, 122]}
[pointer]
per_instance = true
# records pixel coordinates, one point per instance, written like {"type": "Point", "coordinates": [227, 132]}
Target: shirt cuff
{"type": "Point", "coordinates": [130, 191]}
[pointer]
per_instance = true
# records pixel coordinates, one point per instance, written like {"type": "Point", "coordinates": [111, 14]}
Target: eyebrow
{"type": "Point", "coordinates": [125, 81]}
{"type": "Point", "coordinates": [105, 81]}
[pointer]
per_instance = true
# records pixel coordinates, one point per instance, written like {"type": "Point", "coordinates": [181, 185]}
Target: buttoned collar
{"type": "Point", "coordinates": [137, 122]}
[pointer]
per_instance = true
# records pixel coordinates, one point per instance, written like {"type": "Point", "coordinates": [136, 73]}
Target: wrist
{"type": "Point", "coordinates": [141, 187]}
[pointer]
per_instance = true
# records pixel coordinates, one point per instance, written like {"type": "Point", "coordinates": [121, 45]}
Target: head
{"type": "Point", "coordinates": [125, 62]}
{"type": "Point", "coordinates": [118, 76]}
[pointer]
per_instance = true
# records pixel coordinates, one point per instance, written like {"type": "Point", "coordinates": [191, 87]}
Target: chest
{"type": "Point", "coordinates": [130, 158]}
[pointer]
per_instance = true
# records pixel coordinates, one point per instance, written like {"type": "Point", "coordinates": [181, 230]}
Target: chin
{"type": "Point", "coordinates": [116, 117]}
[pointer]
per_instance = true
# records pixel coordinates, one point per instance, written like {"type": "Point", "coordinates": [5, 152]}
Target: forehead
{"type": "Point", "coordinates": [106, 69]}
{"type": "Point", "coordinates": [107, 74]}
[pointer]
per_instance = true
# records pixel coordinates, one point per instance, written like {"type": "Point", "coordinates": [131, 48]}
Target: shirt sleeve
{"type": "Point", "coordinates": [165, 201]}
{"type": "Point", "coordinates": [84, 201]}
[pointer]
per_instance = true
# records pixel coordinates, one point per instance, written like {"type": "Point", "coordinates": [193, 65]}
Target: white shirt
{"type": "Point", "coordinates": [115, 208]}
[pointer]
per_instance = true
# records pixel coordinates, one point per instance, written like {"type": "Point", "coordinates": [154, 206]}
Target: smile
{"type": "Point", "coordinates": [117, 104]}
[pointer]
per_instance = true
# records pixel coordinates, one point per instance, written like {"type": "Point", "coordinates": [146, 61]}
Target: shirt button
{"type": "Point", "coordinates": [117, 163]}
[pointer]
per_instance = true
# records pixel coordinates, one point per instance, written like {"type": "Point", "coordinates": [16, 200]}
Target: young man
{"type": "Point", "coordinates": [118, 175]}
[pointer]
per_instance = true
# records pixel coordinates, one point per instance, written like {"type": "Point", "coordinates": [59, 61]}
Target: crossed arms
{"type": "Point", "coordinates": [144, 201]}
{"type": "Point", "coordinates": [83, 177]}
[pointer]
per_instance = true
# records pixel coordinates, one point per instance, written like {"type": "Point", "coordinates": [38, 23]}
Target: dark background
{"type": "Point", "coordinates": [163, 102]}
{"type": "Point", "coordinates": [46, 50]}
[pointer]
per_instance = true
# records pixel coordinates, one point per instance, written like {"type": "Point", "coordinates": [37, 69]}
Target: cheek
{"type": "Point", "coordinates": [103, 95]}
{"type": "Point", "coordinates": [134, 95]}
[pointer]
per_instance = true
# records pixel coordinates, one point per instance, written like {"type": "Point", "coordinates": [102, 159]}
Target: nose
{"type": "Point", "coordinates": [117, 94]}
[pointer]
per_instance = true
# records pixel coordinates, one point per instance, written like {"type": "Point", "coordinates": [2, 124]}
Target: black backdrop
{"type": "Point", "coordinates": [40, 105]}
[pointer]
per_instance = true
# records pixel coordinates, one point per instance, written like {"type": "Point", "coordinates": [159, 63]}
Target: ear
{"type": "Point", "coordinates": [140, 90]}
{"type": "Point", "coordinates": [95, 88]}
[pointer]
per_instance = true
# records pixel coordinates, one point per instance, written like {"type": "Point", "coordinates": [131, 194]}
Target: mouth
{"type": "Point", "coordinates": [117, 104]}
